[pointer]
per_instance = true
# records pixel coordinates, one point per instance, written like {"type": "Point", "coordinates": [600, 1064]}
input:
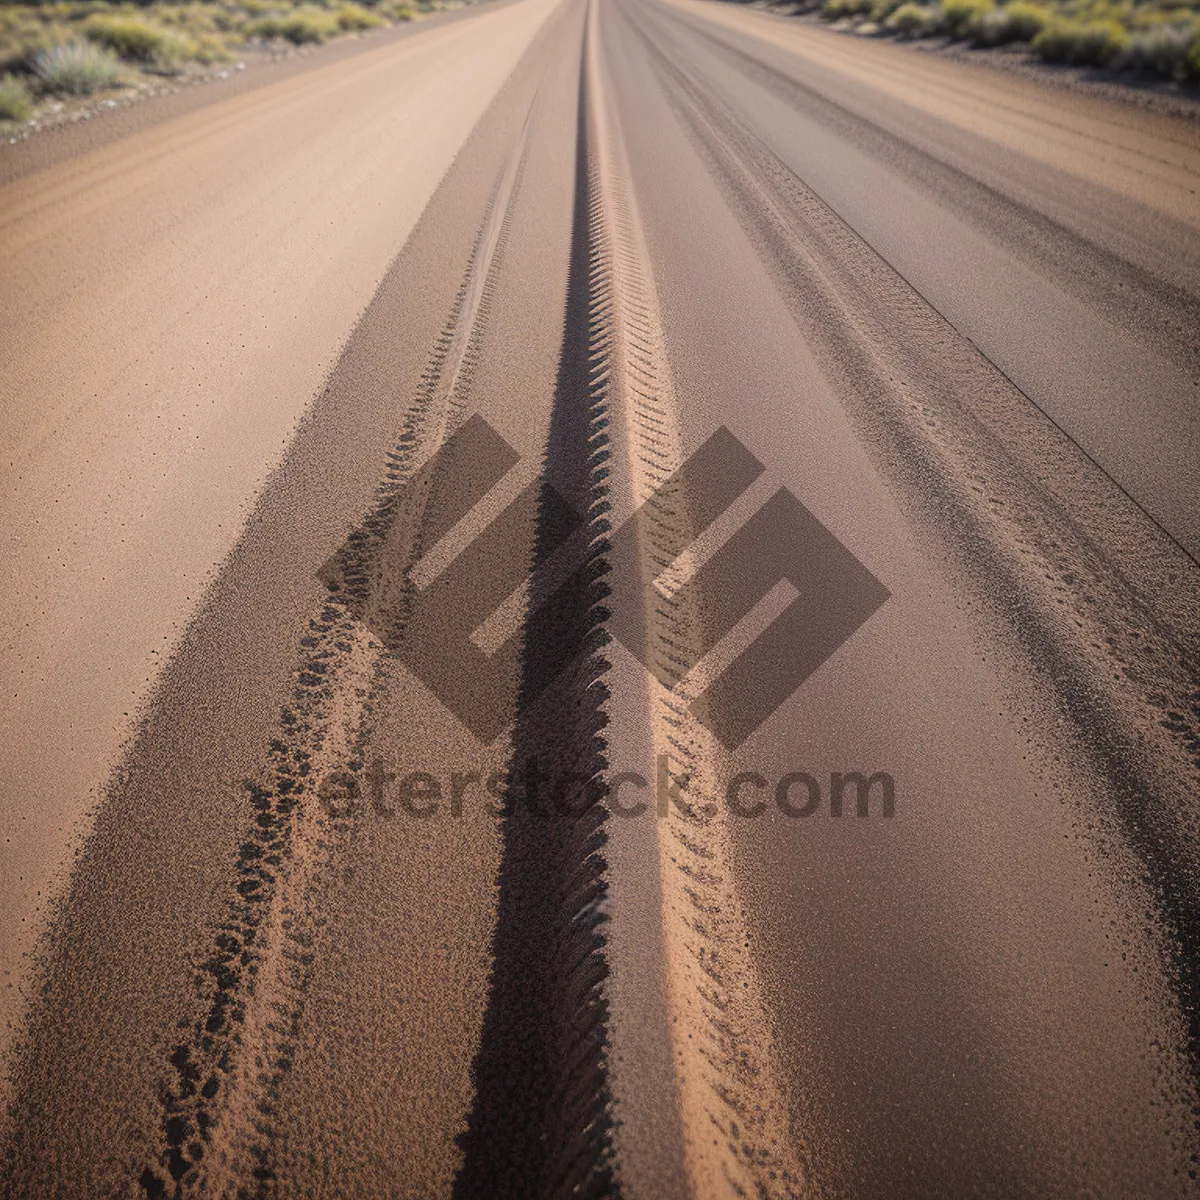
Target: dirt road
{"type": "Point", "coordinates": [602, 600]}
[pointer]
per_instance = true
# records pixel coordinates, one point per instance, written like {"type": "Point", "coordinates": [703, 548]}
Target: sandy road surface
{"type": "Point", "coordinates": [217, 264]}
{"type": "Point", "coordinates": [640, 393]}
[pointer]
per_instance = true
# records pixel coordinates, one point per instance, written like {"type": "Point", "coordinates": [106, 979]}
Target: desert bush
{"type": "Point", "coordinates": [127, 37]}
{"type": "Point", "coordinates": [75, 68]}
{"type": "Point", "coordinates": [912, 20]}
{"type": "Point", "coordinates": [195, 20]}
{"type": "Point", "coordinates": [16, 22]}
{"type": "Point", "coordinates": [226, 21]}
{"type": "Point", "coordinates": [139, 41]}
{"type": "Point", "coordinates": [1163, 50]}
{"type": "Point", "coordinates": [208, 48]}
{"type": "Point", "coordinates": [15, 101]}
{"type": "Point", "coordinates": [1026, 20]}
{"type": "Point", "coordinates": [192, 17]}
{"type": "Point", "coordinates": [161, 35]}
{"type": "Point", "coordinates": [1084, 43]}
{"type": "Point", "coordinates": [882, 9]}
{"type": "Point", "coordinates": [956, 17]}
{"type": "Point", "coordinates": [1017, 22]}
{"type": "Point", "coordinates": [991, 29]}
{"type": "Point", "coordinates": [299, 27]}
{"type": "Point", "coordinates": [355, 16]}
{"type": "Point", "coordinates": [836, 10]}
{"type": "Point", "coordinates": [22, 34]}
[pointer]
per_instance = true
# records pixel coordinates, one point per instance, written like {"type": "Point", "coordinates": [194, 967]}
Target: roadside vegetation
{"type": "Point", "coordinates": [55, 52]}
{"type": "Point", "coordinates": [1157, 37]}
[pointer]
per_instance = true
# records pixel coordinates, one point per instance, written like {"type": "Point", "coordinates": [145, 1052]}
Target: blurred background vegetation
{"type": "Point", "coordinates": [71, 48]}
{"type": "Point", "coordinates": [1158, 38]}
{"type": "Point", "coordinates": [76, 48]}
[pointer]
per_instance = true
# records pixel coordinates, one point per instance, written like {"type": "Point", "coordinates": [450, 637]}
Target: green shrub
{"type": "Point", "coordinates": [75, 68]}
{"type": "Point", "coordinates": [1163, 50]}
{"type": "Point", "coordinates": [1191, 66]}
{"type": "Point", "coordinates": [15, 101]}
{"type": "Point", "coordinates": [912, 20]}
{"type": "Point", "coordinates": [21, 37]}
{"type": "Point", "coordinates": [882, 9]}
{"type": "Point", "coordinates": [992, 29]}
{"type": "Point", "coordinates": [1017, 22]}
{"type": "Point", "coordinates": [354, 16]}
{"type": "Point", "coordinates": [228, 22]}
{"type": "Point", "coordinates": [128, 37]}
{"type": "Point", "coordinates": [957, 16]}
{"type": "Point", "coordinates": [208, 48]}
{"type": "Point", "coordinates": [1083, 43]}
{"type": "Point", "coordinates": [836, 10]}
{"type": "Point", "coordinates": [139, 41]}
{"type": "Point", "coordinates": [204, 30]}
{"type": "Point", "coordinates": [1026, 20]}
{"type": "Point", "coordinates": [299, 27]}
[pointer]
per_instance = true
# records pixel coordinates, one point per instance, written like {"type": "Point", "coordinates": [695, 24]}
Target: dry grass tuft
{"type": "Point", "coordinates": [16, 102]}
{"type": "Point", "coordinates": [75, 68]}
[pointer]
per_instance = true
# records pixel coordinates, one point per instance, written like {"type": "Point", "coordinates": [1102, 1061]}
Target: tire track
{"type": "Point", "coordinates": [1157, 310]}
{"type": "Point", "coordinates": [219, 1107]}
{"type": "Point", "coordinates": [1095, 605]}
{"type": "Point", "coordinates": [545, 1036]}
{"type": "Point", "coordinates": [736, 1134]}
